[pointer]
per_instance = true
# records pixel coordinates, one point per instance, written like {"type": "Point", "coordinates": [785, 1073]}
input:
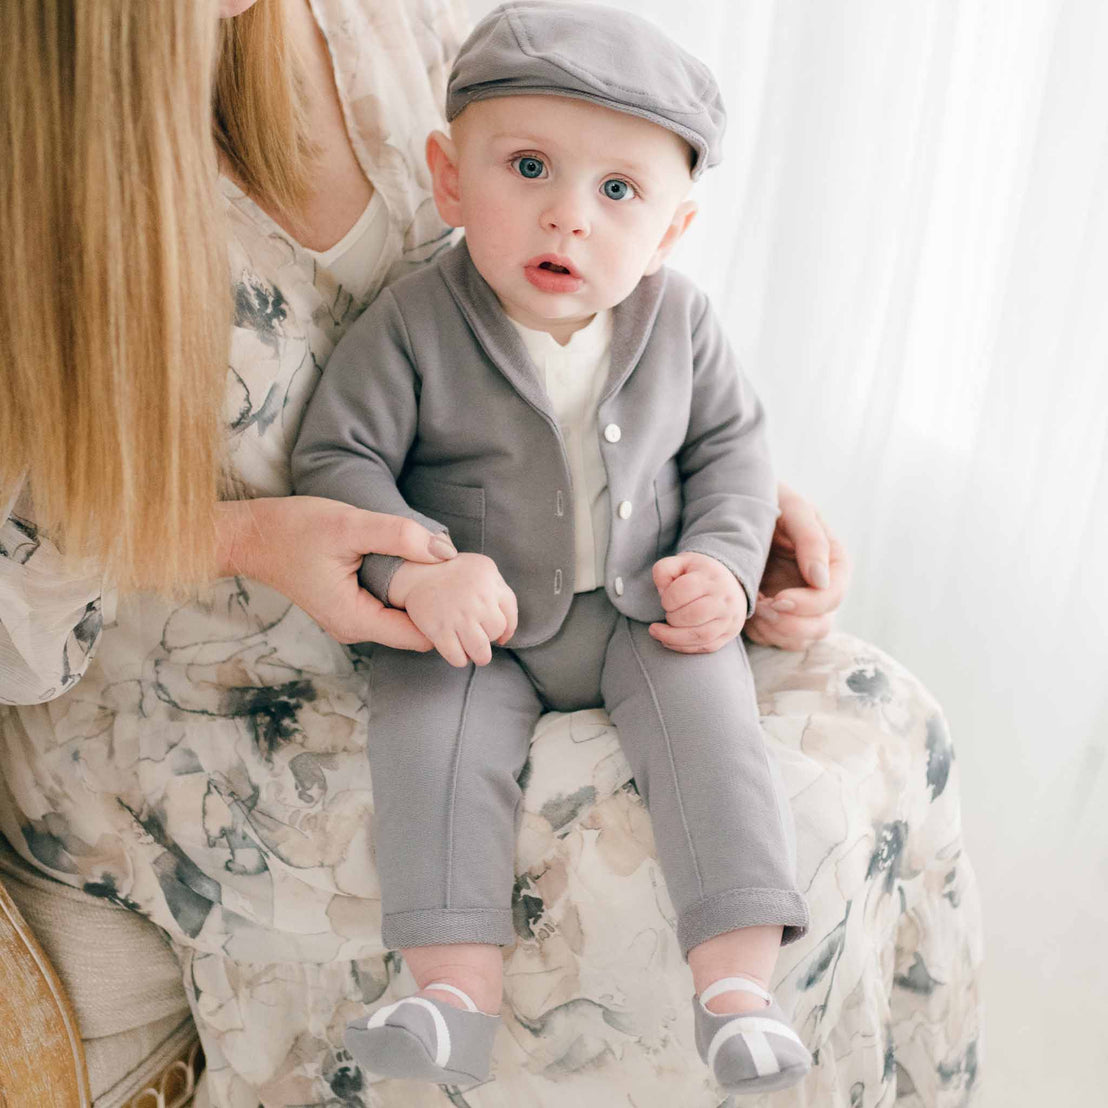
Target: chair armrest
{"type": "Point", "coordinates": [42, 1061]}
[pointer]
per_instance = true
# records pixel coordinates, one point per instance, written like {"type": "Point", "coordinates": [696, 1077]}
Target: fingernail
{"type": "Point", "coordinates": [441, 547]}
{"type": "Point", "coordinates": [819, 575]}
{"type": "Point", "coordinates": [784, 604]}
{"type": "Point", "coordinates": [766, 612]}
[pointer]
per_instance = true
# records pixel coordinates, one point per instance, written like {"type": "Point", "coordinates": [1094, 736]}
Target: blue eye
{"type": "Point", "coordinates": [615, 189]}
{"type": "Point", "coordinates": [530, 167]}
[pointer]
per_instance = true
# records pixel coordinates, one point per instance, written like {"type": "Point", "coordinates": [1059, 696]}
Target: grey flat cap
{"type": "Point", "coordinates": [591, 52]}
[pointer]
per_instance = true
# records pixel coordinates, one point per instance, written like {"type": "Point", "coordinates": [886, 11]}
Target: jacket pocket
{"type": "Point", "coordinates": [460, 508]}
{"type": "Point", "coordinates": [668, 502]}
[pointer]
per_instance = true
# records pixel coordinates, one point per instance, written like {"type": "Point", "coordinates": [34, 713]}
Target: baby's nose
{"type": "Point", "coordinates": [566, 216]}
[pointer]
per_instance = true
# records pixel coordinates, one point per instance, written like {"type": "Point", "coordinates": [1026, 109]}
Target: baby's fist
{"type": "Point", "coordinates": [704, 603]}
{"type": "Point", "coordinates": [463, 606]}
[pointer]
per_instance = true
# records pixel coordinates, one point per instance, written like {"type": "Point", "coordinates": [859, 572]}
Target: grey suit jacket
{"type": "Point", "coordinates": [430, 407]}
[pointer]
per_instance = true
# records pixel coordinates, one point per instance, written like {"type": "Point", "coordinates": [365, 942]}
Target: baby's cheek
{"type": "Point", "coordinates": [633, 267]}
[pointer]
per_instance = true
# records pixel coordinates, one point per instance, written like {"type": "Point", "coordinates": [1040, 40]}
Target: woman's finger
{"type": "Point", "coordinates": [788, 632]}
{"type": "Point", "coordinates": [380, 533]}
{"type": "Point", "coordinates": [817, 602]}
{"type": "Point", "coordinates": [370, 621]}
{"type": "Point", "coordinates": [808, 633]}
{"type": "Point", "coordinates": [802, 526]}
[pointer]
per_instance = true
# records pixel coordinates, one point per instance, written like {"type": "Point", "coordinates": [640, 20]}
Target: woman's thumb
{"type": "Point", "coordinates": [404, 538]}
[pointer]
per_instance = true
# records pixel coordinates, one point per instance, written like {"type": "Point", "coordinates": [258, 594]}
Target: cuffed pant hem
{"type": "Point", "coordinates": [431, 926]}
{"type": "Point", "coordinates": [736, 908]}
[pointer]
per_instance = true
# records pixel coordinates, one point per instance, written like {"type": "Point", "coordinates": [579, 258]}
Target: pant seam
{"type": "Point", "coordinates": [669, 752]}
{"type": "Point", "coordinates": [781, 801]}
{"type": "Point", "coordinates": [454, 784]}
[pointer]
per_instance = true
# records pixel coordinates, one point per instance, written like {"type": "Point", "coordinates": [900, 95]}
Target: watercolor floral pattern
{"type": "Point", "coordinates": [204, 765]}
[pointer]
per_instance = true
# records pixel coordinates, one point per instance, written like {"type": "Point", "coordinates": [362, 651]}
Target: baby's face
{"type": "Point", "coordinates": [565, 204]}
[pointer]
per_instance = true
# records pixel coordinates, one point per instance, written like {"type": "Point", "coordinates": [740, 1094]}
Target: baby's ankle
{"type": "Point", "coordinates": [475, 968]}
{"type": "Point", "coordinates": [748, 953]}
{"type": "Point", "coordinates": [735, 1003]}
{"type": "Point", "coordinates": [485, 998]}
{"type": "Point", "coordinates": [482, 985]}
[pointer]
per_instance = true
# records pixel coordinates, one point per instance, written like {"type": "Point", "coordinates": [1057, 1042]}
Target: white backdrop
{"type": "Point", "coordinates": [908, 239]}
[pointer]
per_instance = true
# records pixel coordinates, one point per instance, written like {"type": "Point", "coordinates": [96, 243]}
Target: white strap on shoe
{"type": "Point", "coordinates": [732, 985]}
{"type": "Point", "coordinates": [442, 1032]}
{"type": "Point", "coordinates": [456, 991]}
{"type": "Point", "coordinates": [754, 1030]}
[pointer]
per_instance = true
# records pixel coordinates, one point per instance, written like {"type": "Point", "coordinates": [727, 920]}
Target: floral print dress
{"type": "Point", "coordinates": [204, 765]}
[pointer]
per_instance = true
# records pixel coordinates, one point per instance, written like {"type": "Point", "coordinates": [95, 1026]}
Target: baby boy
{"type": "Point", "coordinates": [571, 413]}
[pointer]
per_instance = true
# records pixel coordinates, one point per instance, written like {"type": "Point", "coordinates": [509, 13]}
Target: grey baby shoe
{"type": "Point", "coordinates": [748, 1052]}
{"type": "Point", "coordinates": [423, 1039]}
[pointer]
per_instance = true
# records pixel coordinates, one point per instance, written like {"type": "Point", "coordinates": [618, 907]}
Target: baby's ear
{"type": "Point", "coordinates": [684, 215]}
{"type": "Point", "coordinates": [442, 161]}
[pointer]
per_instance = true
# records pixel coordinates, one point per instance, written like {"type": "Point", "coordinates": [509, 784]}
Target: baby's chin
{"type": "Point", "coordinates": [553, 310]}
{"type": "Point", "coordinates": [559, 326]}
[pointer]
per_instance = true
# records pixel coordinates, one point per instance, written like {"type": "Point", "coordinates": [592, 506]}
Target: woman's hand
{"type": "Point", "coordinates": [310, 549]}
{"type": "Point", "coordinates": [804, 581]}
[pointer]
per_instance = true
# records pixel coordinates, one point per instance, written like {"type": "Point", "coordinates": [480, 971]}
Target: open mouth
{"type": "Point", "coordinates": [553, 263]}
{"type": "Point", "coordinates": [552, 273]}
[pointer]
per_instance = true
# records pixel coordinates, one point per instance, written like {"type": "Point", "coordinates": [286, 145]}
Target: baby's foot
{"type": "Point", "coordinates": [753, 1049]}
{"type": "Point", "coordinates": [437, 1035]}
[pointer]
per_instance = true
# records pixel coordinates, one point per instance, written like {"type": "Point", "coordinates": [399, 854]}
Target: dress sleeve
{"type": "Point", "coordinates": [448, 22]}
{"type": "Point", "coordinates": [51, 615]}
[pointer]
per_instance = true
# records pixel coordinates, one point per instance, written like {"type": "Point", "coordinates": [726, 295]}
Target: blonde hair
{"type": "Point", "coordinates": [261, 117]}
{"type": "Point", "coordinates": [115, 320]}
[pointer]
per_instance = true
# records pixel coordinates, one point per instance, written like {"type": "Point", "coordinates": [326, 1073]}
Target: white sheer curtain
{"type": "Point", "coordinates": [909, 241]}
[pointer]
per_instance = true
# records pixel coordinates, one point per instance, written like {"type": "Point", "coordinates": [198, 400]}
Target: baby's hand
{"type": "Point", "coordinates": [462, 610]}
{"type": "Point", "coordinates": [704, 602]}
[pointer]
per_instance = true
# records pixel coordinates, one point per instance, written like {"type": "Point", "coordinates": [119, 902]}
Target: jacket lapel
{"type": "Point", "coordinates": [632, 321]}
{"type": "Point", "coordinates": [632, 324]}
{"type": "Point", "coordinates": [486, 318]}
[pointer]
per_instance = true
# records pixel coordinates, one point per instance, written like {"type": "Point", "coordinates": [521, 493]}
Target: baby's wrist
{"type": "Point", "coordinates": [403, 581]}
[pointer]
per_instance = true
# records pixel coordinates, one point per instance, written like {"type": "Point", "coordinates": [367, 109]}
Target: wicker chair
{"type": "Point", "coordinates": [79, 1027]}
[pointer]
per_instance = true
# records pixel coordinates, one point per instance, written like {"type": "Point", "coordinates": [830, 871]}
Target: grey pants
{"type": "Point", "coordinates": [447, 746]}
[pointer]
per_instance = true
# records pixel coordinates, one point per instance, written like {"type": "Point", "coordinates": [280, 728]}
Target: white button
{"type": "Point", "coordinates": [617, 584]}
{"type": "Point", "coordinates": [624, 509]}
{"type": "Point", "coordinates": [612, 432]}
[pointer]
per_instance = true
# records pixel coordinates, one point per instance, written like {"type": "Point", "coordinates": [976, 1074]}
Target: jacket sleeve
{"type": "Point", "coordinates": [51, 613]}
{"type": "Point", "coordinates": [359, 425]}
{"type": "Point", "coordinates": [730, 497]}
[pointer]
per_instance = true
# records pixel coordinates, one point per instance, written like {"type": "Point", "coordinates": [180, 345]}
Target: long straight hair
{"type": "Point", "coordinates": [116, 309]}
{"type": "Point", "coordinates": [261, 116]}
